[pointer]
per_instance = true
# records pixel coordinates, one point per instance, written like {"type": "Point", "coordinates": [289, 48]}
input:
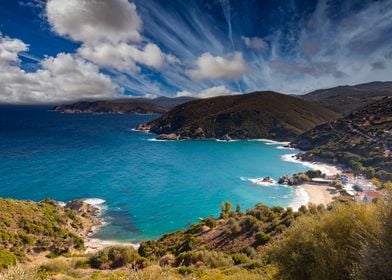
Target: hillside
{"type": "Point", "coordinates": [364, 136]}
{"type": "Point", "coordinates": [261, 243]}
{"type": "Point", "coordinates": [28, 228]}
{"type": "Point", "coordinates": [344, 99]}
{"type": "Point", "coordinates": [254, 115]}
{"type": "Point", "coordinates": [157, 105]}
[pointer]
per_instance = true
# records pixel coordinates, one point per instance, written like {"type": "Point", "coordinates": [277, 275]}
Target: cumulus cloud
{"type": "Point", "coordinates": [233, 66]}
{"type": "Point", "coordinates": [92, 21]}
{"type": "Point", "coordinates": [209, 92]}
{"type": "Point", "coordinates": [123, 57]}
{"type": "Point", "coordinates": [59, 79]}
{"type": "Point", "coordinates": [109, 32]}
{"type": "Point", "coordinates": [255, 43]}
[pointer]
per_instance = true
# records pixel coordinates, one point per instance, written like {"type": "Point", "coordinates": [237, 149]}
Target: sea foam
{"type": "Point", "coordinates": [300, 198]}
{"type": "Point", "coordinates": [258, 181]}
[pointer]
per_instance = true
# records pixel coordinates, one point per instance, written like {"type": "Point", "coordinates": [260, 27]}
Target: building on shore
{"type": "Point", "coordinates": [368, 196]}
{"type": "Point", "coordinates": [322, 181]}
{"type": "Point", "coordinates": [362, 185]}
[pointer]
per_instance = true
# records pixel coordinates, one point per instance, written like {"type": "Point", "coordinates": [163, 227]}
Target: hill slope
{"type": "Point", "coordinates": [364, 136]}
{"type": "Point", "coordinates": [344, 99]}
{"type": "Point", "coordinates": [254, 115]}
{"type": "Point", "coordinates": [157, 105]}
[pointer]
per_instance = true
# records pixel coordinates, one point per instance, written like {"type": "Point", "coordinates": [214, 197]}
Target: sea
{"type": "Point", "coordinates": [145, 188]}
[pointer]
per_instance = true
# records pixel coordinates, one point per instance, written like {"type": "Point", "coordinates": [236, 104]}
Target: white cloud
{"type": "Point", "coordinates": [218, 67]}
{"type": "Point", "coordinates": [123, 57]}
{"type": "Point", "coordinates": [91, 21]}
{"type": "Point", "coordinates": [255, 43]}
{"type": "Point", "coordinates": [60, 79]}
{"type": "Point", "coordinates": [109, 31]}
{"type": "Point", "coordinates": [209, 92]}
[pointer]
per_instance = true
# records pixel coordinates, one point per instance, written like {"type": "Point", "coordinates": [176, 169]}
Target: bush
{"type": "Point", "coordinates": [210, 222]}
{"type": "Point", "coordinates": [6, 259]}
{"type": "Point", "coordinates": [115, 257]}
{"type": "Point", "coordinates": [325, 246]}
{"type": "Point", "coordinates": [262, 238]}
{"type": "Point", "coordinates": [211, 259]}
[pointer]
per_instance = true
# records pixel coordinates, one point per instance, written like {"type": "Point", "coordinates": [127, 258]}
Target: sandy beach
{"type": "Point", "coordinates": [325, 168]}
{"type": "Point", "coordinates": [319, 194]}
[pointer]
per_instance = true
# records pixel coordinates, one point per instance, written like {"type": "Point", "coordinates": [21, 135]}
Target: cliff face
{"type": "Point", "coordinates": [254, 115]}
{"type": "Point", "coordinates": [365, 136]}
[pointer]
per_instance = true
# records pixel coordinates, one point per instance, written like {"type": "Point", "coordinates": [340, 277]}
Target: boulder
{"type": "Point", "coordinates": [82, 208]}
{"type": "Point", "coordinates": [170, 136]}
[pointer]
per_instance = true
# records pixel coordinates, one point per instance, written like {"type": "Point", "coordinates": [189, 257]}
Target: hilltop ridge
{"type": "Point", "coordinates": [254, 115]}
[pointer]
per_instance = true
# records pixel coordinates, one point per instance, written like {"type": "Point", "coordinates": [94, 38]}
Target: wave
{"type": "Point", "coordinates": [270, 142]}
{"type": "Point", "coordinates": [94, 201]}
{"type": "Point", "coordinates": [259, 181]}
{"type": "Point", "coordinates": [139, 130]}
{"type": "Point", "coordinates": [300, 198]}
{"type": "Point", "coordinates": [285, 148]}
{"type": "Point", "coordinates": [157, 140]}
{"type": "Point", "coordinates": [228, 141]}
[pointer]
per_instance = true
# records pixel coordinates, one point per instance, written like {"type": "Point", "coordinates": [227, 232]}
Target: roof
{"type": "Point", "coordinates": [373, 194]}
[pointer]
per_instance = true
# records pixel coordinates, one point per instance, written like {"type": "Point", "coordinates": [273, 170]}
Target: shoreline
{"type": "Point", "coordinates": [325, 168]}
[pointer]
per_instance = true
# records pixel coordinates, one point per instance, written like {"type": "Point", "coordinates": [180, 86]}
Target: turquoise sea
{"type": "Point", "coordinates": [147, 188]}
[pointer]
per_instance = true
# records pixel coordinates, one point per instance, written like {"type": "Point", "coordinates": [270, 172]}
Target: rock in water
{"type": "Point", "coordinates": [82, 208]}
{"type": "Point", "coordinates": [170, 136]}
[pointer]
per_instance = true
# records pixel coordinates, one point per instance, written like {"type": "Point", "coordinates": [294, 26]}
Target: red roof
{"type": "Point", "coordinates": [374, 194]}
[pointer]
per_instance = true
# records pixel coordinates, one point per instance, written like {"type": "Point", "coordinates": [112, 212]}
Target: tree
{"type": "Point", "coordinates": [225, 210]}
{"type": "Point", "coordinates": [356, 166]}
{"type": "Point", "coordinates": [370, 172]}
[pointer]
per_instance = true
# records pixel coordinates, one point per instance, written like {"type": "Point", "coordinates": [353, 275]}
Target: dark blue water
{"type": "Point", "coordinates": [149, 187]}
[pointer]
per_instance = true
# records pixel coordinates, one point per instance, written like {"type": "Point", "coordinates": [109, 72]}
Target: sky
{"type": "Point", "coordinates": [63, 51]}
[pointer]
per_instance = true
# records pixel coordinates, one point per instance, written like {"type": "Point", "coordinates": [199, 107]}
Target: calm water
{"type": "Point", "coordinates": [150, 187]}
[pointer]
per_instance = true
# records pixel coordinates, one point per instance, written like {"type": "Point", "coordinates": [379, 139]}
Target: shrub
{"type": "Point", "coordinates": [167, 260]}
{"type": "Point", "coordinates": [262, 238]}
{"type": "Point", "coordinates": [115, 257]}
{"type": "Point", "coordinates": [212, 259]}
{"type": "Point", "coordinates": [6, 259]}
{"type": "Point", "coordinates": [321, 246]}
{"type": "Point", "coordinates": [210, 222]}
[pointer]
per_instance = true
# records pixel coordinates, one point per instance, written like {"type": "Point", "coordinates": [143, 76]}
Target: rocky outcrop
{"type": "Point", "coordinates": [82, 208]}
{"type": "Point", "coordinates": [170, 136]}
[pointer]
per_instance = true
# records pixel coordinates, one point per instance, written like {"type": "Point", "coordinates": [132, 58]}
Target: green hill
{"type": "Point", "coordinates": [364, 136]}
{"type": "Point", "coordinates": [344, 99]}
{"type": "Point", "coordinates": [254, 115]}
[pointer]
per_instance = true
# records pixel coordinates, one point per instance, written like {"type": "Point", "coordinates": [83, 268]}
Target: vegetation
{"type": "Point", "coordinates": [345, 99]}
{"type": "Point", "coordinates": [28, 227]}
{"type": "Point", "coordinates": [361, 141]}
{"type": "Point", "coordinates": [125, 106]}
{"type": "Point", "coordinates": [254, 115]}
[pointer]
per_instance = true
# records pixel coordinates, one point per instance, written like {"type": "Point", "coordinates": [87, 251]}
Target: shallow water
{"type": "Point", "coordinates": [149, 187]}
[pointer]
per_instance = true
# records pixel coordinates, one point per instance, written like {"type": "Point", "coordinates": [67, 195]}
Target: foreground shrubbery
{"type": "Point", "coordinates": [350, 241]}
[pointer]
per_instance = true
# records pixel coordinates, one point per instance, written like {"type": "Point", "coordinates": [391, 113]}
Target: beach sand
{"type": "Point", "coordinates": [93, 244]}
{"type": "Point", "coordinates": [325, 168]}
{"type": "Point", "coordinates": [319, 194]}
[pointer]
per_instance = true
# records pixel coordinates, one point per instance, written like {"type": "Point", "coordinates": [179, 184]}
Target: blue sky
{"type": "Point", "coordinates": [62, 51]}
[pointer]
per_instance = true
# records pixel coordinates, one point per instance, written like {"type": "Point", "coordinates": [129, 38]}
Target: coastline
{"type": "Point", "coordinates": [325, 168]}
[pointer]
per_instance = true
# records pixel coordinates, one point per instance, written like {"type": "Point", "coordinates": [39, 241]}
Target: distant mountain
{"type": "Point", "coordinates": [364, 136]}
{"type": "Point", "coordinates": [254, 115]}
{"type": "Point", "coordinates": [344, 99]}
{"type": "Point", "coordinates": [157, 105]}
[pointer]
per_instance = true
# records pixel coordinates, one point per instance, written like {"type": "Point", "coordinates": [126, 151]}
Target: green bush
{"type": "Point", "coordinates": [6, 259]}
{"type": "Point", "coordinates": [262, 238]}
{"type": "Point", "coordinates": [115, 257]}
